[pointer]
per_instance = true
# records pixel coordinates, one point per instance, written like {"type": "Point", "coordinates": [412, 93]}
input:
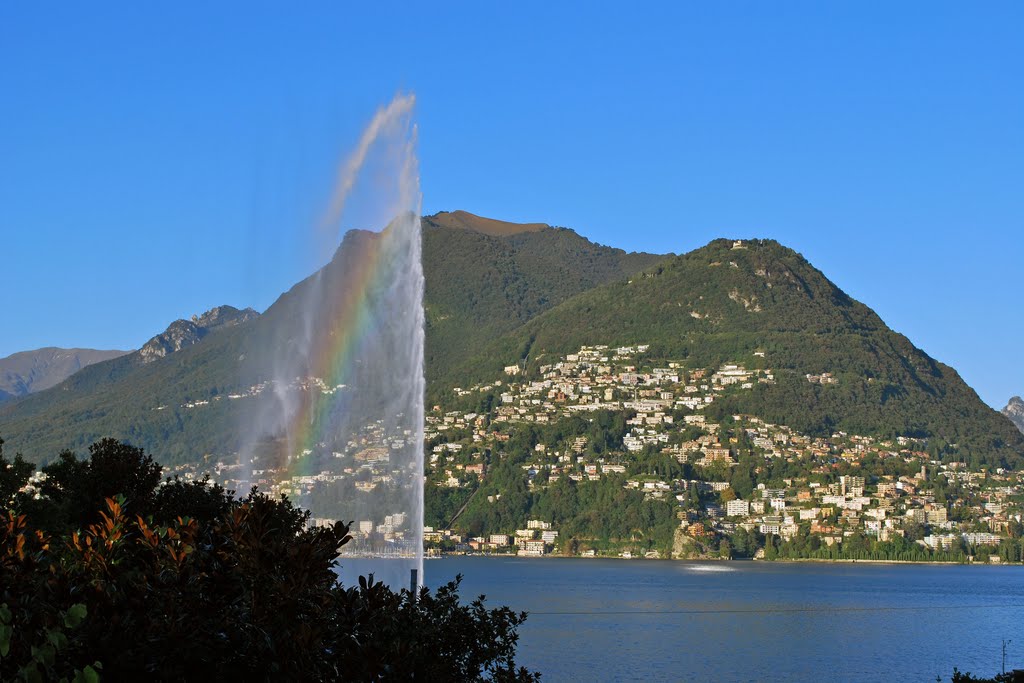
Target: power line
{"type": "Point", "coordinates": [779, 610]}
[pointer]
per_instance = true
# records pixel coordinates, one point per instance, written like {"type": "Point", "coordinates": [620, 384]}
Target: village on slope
{"type": "Point", "coordinates": [609, 452]}
{"type": "Point", "coordinates": [848, 496]}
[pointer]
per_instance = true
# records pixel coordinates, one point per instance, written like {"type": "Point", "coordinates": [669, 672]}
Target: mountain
{"type": "Point", "coordinates": [501, 293]}
{"type": "Point", "coordinates": [463, 220]}
{"type": "Point", "coordinates": [484, 278]}
{"type": "Point", "coordinates": [731, 299]}
{"type": "Point", "coordinates": [183, 333]}
{"type": "Point", "coordinates": [31, 371]}
{"type": "Point", "coordinates": [1015, 411]}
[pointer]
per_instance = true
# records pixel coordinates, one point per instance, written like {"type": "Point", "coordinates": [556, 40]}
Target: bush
{"type": "Point", "coordinates": [184, 581]}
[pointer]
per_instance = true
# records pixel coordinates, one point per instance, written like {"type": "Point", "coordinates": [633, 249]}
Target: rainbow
{"type": "Point", "coordinates": [355, 368]}
{"type": "Point", "coordinates": [341, 336]}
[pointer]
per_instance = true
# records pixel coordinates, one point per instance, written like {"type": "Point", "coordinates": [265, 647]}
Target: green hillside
{"type": "Point", "coordinates": [479, 284]}
{"type": "Point", "coordinates": [31, 371]}
{"type": "Point", "coordinates": [720, 303]}
{"type": "Point", "coordinates": [500, 293]}
{"type": "Point", "coordinates": [482, 284]}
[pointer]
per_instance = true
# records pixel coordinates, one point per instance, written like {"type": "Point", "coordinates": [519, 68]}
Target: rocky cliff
{"type": "Point", "coordinates": [184, 333]}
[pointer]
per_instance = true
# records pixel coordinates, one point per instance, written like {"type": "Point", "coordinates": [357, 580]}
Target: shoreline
{"type": "Point", "coordinates": [804, 560]}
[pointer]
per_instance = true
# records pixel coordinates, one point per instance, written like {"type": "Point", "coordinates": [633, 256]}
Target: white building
{"type": "Point", "coordinates": [737, 508]}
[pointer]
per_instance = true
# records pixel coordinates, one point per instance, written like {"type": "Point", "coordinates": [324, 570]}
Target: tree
{"type": "Point", "coordinates": [771, 548]}
{"type": "Point", "coordinates": [14, 474]}
{"type": "Point", "coordinates": [966, 677]}
{"type": "Point", "coordinates": [190, 583]}
{"type": "Point", "coordinates": [741, 481]}
{"type": "Point", "coordinates": [914, 531]}
{"type": "Point", "coordinates": [75, 489]}
{"type": "Point", "coordinates": [693, 499]}
{"type": "Point", "coordinates": [744, 543]}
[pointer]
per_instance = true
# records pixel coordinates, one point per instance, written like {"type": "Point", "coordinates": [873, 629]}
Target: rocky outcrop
{"type": "Point", "coordinates": [184, 333]}
{"type": "Point", "coordinates": [1015, 411]}
{"type": "Point", "coordinates": [685, 547]}
{"type": "Point", "coordinates": [178, 335]}
{"type": "Point", "coordinates": [223, 316]}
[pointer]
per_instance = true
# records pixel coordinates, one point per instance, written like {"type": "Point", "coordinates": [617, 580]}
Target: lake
{"type": "Point", "coordinates": [654, 620]}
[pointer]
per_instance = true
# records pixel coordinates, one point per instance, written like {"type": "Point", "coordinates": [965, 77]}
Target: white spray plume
{"type": "Point", "coordinates": [382, 404]}
{"type": "Point", "coordinates": [384, 121]}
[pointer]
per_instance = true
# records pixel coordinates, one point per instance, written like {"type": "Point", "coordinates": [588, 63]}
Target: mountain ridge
{"type": "Point", "coordinates": [526, 273]}
{"type": "Point", "coordinates": [26, 372]}
{"type": "Point", "coordinates": [184, 333]}
{"type": "Point", "coordinates": [493, 300]}
{"type": "Point", "coordinates": [464, 220]}
{"type": "Point", "coordinates": [477, 286]}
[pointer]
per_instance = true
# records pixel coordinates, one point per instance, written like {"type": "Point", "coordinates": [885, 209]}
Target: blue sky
{"type": "Point", "coordinates": [157, 161]}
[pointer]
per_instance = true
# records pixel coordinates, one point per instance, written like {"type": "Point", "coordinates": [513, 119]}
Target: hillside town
{"type": "Point", "coordinates": [742, 486]}
{"type": "Point", "coordinates": [850, 486]}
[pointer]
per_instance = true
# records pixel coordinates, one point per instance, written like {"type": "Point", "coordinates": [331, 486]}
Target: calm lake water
{"type": "Point", "coordinates": [751, 621]}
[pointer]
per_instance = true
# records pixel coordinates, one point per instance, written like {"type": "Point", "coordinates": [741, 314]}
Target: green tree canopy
{"type": "Point", "coordinates": [186, 582]}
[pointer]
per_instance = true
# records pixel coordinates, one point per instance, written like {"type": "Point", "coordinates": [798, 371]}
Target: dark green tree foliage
{"type": "Point", "coordinates": [602, 511]}
{"type": "Point", "coordinates": [746, 543]}
{"type": "Point", "coordinates": [442, 504]}
{"type": "Point", "coordinates": [186, 582]}
{"type": "Point", "coordinates": [855, 547]}
{"type": "Point", "coordinates": [966, 677]}
{"type": "Point", "coordinates": [14, 474]}
{"type": "Point", "coordinates": [434, 638]}
{"type": "Point", "coordinates": [479, 286]}
{"type": "Point", "coordinates": [47, 649]}
{"type": "Point", "coordinates": [742, 479]}
{"type": "Point", "coordinates": [74, 487]}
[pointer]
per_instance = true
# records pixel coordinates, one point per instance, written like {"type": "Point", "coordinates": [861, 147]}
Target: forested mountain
{"type": "Point", "coordinates": [500, 293]}
{"type": "Point", "coordinates": [1015, 411]}
{"type": "Point", "coordinates": [728, 300]}
{"type": "Point", "coordinates": [483, 278]}
{"type": "Point", "coordinates": [27, 372]}
{"type": "Point", "coordinates": [486, 277]}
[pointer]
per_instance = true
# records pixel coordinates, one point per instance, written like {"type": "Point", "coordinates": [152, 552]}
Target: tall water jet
{"type": "Point", "coordinates": [339, 427]}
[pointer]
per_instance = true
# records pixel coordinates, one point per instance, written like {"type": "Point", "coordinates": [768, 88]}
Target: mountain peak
{"type": "Point", "coordinates": [463, 220]}
{"type": "Point", "coordinates": [220, 316]}
{"type": "Point", "coordinates": [183, 333]}
{"type": "Point", "coordinates": [1015, 411]}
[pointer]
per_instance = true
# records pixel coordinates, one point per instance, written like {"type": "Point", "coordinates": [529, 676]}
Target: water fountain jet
{"type": "Point", "coordinates": [341, 431]}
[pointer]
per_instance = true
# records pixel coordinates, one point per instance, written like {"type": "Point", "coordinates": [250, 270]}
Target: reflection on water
{"type": "Point", "coordinates": [750, 621]}
{"type": "Point", "coordinates": [717, 567]}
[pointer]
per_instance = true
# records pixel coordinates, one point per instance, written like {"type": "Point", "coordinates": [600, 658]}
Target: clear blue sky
{"type": "Point", "coordinates": [157, 161]}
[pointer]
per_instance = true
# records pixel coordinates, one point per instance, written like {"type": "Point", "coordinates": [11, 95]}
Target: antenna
{"type": "Point", "coordinates": [1005, 643]}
